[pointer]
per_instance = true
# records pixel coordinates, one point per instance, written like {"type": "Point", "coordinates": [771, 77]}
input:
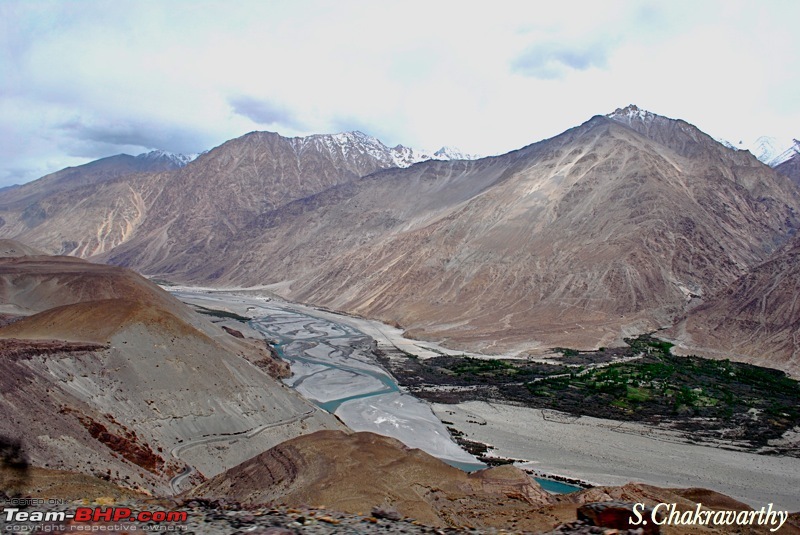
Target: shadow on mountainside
{"type": "Point", "coordinates": [13, 467]}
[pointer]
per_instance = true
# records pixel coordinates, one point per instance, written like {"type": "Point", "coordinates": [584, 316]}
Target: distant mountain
{"type": "Point", "coordinates": [92, 208]}
{"type": "Point", "coordinates": [398, 156]}
{"type": "Point", "coordinates": [613, 227]}
{"type": "Point", "coordinates": [204, 207]}
{"type": "Point", "coordinates": [769, 150]}
{"type": "Point", "coordinates": [453, 153]}
{"type": "Point", "coordinates": [756, 318]}
{"type": "Point", "coordinates": [92, 173]}
{"type": "Point", "coordinates": [772, 151]}
{"type": "Point", "coordinates": [170, 159]}
{"type": "Point", "coordinates": [617, 226]}
{"type": "Point", "coordinates": [87, 209]}
{"type": "Point", "coordinates": [404, 156]}
{"type": "Point", "coordinates": [9, 188]}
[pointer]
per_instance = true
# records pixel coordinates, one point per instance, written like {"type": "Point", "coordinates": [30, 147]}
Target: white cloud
{"type": "Point", "coordinates": [90, 79]}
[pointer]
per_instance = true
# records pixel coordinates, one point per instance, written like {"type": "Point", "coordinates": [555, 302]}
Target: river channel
{"type": "Point", "coordinates": [333, 365]}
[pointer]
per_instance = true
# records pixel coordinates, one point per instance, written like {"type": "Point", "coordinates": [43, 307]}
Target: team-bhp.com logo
{"type": "Point", "coordinates": [96, 519]}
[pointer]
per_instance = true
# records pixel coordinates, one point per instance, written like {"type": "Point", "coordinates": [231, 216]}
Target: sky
{"type": "Point", "coordinates": [81, 80]}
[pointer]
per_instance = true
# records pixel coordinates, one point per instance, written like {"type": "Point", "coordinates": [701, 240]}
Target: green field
{"type": "Point", "coordinates": [707, 399]}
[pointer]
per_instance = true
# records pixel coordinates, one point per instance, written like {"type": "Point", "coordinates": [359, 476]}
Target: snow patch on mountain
{"type": "Point", "coordinates": [772, 151]}
{"type": "Point", "coordinates": [345, 143]}
{"type": "Point", "coordinates": [630, 113]}
{"type": "Point", "coordinates": [178, 160]}
{"type": "Point", "coordinates": [726, 143]}
{"type": "Point", "coordinates": [453, 153]}
{"type": "Point", "coordinates": [406, 156]}
{"type": "Point", "coordinates": [644, 121]}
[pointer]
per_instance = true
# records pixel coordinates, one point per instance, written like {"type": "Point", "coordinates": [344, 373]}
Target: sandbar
{"type": "Point", "coordinates": [608, 452]}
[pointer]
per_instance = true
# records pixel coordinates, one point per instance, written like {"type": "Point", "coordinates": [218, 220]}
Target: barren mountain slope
{"type": "Point", "coordinates": [82, 210]}
{"type": "Point", "coordinates": [224, 257]}
{"type": "Point", "coordinates": [755, 319]}
{"type": "Point", "coordinates": [569, 241]}
{"type": "Point", "coordinates": [356, 472]}
{"type": "Point", "coordinates": [738, 166]}
{"type": "Point", "coordinates": [13, 248]}
{"type": "Point", "coordinates": [90, 209]}
{"type": "Point", "coordinates": [203, 207]}
{"type": "Point", "coordinates": [108, 377]}
{"type": "Point", "coordinates": [90, 174]}
{"type": "Point", "coordinates": [611, 228]}
{"type": "Point", "coordinates": [791, 168]}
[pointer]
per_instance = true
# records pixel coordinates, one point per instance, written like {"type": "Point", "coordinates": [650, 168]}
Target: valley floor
{"type": "Point", "coordinates": [333, 365]}
{"type": "Point", "coordinates": [608, 452]}
{"type": "Point", "coordinates": [602, 452]}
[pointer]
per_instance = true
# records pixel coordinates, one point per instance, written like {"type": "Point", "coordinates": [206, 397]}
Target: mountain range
{"type": "Point", "coordinates": [624, 224]}
{"type": "Point", "coordinates": [628, 223]}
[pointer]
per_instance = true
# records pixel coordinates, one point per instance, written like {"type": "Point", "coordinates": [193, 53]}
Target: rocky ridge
{"type": "Point", "coordinates": [92, 208]}
{"type": "Point", "coordinates": [604, 225]}
{"type": "Point", "coordinates": [224, 516]}
{"type": "Point", "coordinates": [791, 167]}
{"type": "Point", "coordinates": [757, 313]}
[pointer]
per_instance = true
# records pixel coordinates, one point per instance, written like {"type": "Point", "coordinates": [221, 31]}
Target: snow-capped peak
{"type": "Point", "coordinates": [630, 113]}
{"type": "Point", "coordinates": [406, 156]}
{"type": "Point", "coordinates": [773, 151]}
{"type": "Point", "coordinates": [179, 160]}
{"type": "Point", "coordinates": [453, 153]}
{"type": "Point", "coordinates": [398, 156]}
{"type": "Point", "coordinates": [770, 150]}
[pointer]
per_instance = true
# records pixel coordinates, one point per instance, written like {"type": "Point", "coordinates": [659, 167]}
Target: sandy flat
{"type": "Point", "coordinates": [405, 418]}
{"type": "Point", "coordinates": [302, 370]}
{"type": "Point", "coordinates": [386, 334]}
{"type": "Point", "coordinates": [608, 452]}
{"type": "Point", "coordinates": [332, 384]}
{"type": "Point", "coordinates": [245, 301]}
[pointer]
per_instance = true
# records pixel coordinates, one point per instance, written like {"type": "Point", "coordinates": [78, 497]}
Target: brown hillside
{"type": "Point", "coordinates": [356, 472]}
{"type": "Point", "coordinates": [755, 319]}
{"type": "Point", "coordinates": [791, 168]}
{"type": "Point", "coordinates": [97, 321]}
{"type": "Point", "coordinates": [13, 248]}
{"type": "Point", "coordinates": [573, 241]}
{"type": "Point", "coordinates": [82, 210]}
{"type": "Point", "coordinates": [108, 374]}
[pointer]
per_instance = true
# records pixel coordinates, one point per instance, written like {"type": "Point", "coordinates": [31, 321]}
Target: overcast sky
{"type": "Point", "coordinates": [81, 80]}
